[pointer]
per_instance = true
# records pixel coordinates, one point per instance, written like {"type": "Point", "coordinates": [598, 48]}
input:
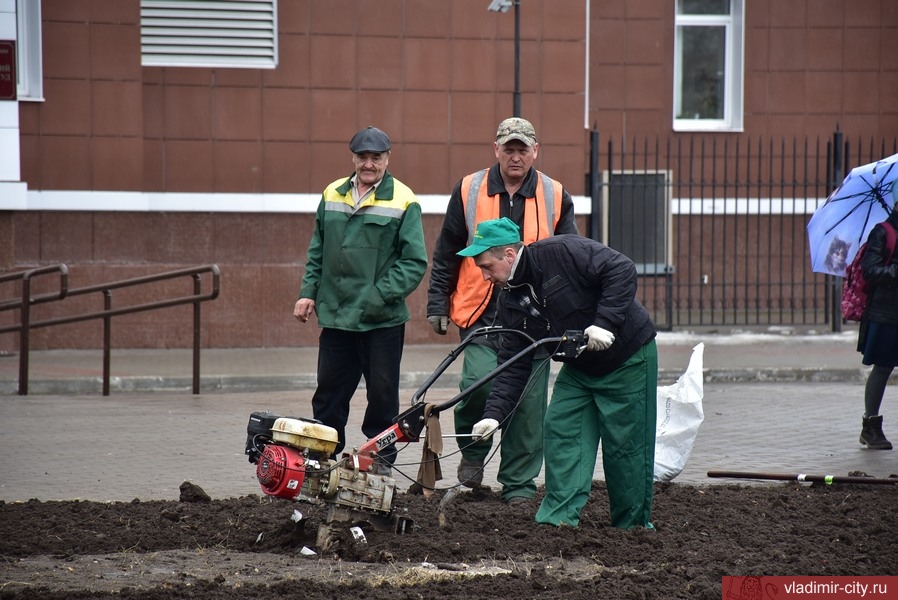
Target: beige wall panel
{"type": "Point", "coordinates": [187, 112]}
{"type": "Point", "coordinates": [237, 113]}
{"type": "Point", "coordinates": [117, 108]}
{"type": "Point", "coordinates": [238, 167]}
{"type": "Point", "coordinates": [189, 166]}
{"type": "Point", "coordinates": [68, 56]}
{"type": "Point", "coordinates": [113, 48]}
{"type": "Point", "coordinates": [67, 109]}
{"type": "Point", "coordinates": [285, 167]}
{"type": "Point", "coordinates": [116, 163]}
{"type": "Point", "coordinates": [285, 114]}
{"type": "Point", "coordinates": [70, 166]}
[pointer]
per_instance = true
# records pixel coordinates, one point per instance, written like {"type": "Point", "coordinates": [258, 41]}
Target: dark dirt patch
{"type": "Point", "coordinates": [250, 548]}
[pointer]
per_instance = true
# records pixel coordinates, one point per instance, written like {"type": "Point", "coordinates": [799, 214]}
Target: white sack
{"type": "Point", "coordinates": [679, 416]}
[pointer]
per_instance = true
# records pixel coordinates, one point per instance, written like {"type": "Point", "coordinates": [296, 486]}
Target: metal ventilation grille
{"type": "Point", "coordinates": [208, 33]}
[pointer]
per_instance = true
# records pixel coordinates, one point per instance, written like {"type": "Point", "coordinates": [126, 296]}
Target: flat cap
{"type": "Point", "coordinates": [369, 139]}
{"type": "Point", "coordinates": [516, 128]}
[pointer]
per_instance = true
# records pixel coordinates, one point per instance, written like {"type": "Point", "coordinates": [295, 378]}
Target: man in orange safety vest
{"type": "Point", "coordinates": [541, 207]}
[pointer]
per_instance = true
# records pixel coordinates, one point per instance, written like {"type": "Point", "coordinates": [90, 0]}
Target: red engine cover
{"type": "Point", "coordinates": [281, 471]}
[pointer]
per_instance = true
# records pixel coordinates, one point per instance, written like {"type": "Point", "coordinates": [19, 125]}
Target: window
{"type": "Point", "coordinates": [29, 75]}
{"type": "Point", "coordinates": [708, 65]}
{"type": "Point", "coordinates": [636, 218]}
{"type": "Point", "coordinates": [209, 33]}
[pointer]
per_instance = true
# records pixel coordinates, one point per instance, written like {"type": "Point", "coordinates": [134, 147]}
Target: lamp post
{"type": "Point", "coordinates": [503, 6]}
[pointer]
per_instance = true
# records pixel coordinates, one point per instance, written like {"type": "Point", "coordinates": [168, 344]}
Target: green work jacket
{"type": "Point", "coordinates": [363, 262]}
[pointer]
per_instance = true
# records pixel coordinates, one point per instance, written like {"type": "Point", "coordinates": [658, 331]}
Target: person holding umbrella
{"type": "Point", "coordinates": [840, 225]}
{"type": "Point", "coordinates": [858, 210]}
{"type": "Point", "coordinates": [878, 332]}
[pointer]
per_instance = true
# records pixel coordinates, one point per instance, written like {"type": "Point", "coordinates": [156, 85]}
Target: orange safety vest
{"type": "Point", "coordinates": [472, 292]}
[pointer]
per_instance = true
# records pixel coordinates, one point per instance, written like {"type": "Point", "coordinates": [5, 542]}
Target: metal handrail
{"type": "Point", "coordinates": [25, 303]}
{"type": "Point", "coordinates": [108, 312]}
{"type": "Point", "coordinates": [27, 276]}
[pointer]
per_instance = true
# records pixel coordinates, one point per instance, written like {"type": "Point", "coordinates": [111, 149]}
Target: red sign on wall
{"type": "Point", "coordinates": [7, 70]}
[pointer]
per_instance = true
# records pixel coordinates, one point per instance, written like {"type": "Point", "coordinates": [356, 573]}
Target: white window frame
{"type": "Point", "coordinates": [209, 33]}
{"type": "Point", "coordinates": [29, 60]}
{"type": "Point", "coordinates": [734, 75]}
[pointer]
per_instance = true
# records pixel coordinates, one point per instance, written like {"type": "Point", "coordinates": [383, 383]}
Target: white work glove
{"type": "Point", "coordinates": [484, 429]}
{"type": "Point", "coordinates": [440, 323]}
{"type": "Point", "coordinates": [598, 338]}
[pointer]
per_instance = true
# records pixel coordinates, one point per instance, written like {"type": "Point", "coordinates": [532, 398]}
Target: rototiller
{"type": "Point", "coordinates": [294, 456]}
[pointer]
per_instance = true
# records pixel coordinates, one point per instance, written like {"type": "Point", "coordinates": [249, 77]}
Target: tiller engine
{"type": "Point", "coordinates": [293, 461]}
{"type": "Point", "coordinates": [294, 456]}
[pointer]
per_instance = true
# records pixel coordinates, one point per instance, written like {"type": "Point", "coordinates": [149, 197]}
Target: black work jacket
{"type": "Point", "coordinates": [454, 237]}
{"type": "Point", "coordinates": [567, 282]}
{"type": "Point", "coordinates": [882, 304]}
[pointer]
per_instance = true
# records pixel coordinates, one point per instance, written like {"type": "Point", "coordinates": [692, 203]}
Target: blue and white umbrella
{"type": "Point", "coordinates": [841, 225]}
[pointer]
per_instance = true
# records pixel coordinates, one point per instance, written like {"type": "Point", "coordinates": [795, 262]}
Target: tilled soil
{"type": "Point", "coordinates": [473, 547]}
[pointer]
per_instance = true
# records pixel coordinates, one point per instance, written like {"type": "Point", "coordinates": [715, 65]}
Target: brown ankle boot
{"type": "Point", "coordinates": [872, 435]}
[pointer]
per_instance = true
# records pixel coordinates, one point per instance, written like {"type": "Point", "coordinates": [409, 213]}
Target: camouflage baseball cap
{"type": "Point", "coordinates": [516, 128]}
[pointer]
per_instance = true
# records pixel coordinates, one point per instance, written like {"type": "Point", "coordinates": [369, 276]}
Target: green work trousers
{"type": "Point", "coordinates": [618, 410]}
{"type": "Point", "coordinates": [521, 447]}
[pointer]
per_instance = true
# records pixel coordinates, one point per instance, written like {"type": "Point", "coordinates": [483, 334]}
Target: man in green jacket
{"type": "Point", "coordinates": [366, 256]}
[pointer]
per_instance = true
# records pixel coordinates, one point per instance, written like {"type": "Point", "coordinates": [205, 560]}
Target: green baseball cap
{"type": "Point", "coordinates": [497, 232]}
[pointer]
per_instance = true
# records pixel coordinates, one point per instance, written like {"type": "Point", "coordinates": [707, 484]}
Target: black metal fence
{"type": "Point", "coordinates": [717, 225]}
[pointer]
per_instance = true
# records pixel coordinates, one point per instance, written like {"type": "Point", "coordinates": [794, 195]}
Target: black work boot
{"type": "Point", "coordinates": [872, 435]}
{"type": "Point", "coordinates": [470, 472]}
